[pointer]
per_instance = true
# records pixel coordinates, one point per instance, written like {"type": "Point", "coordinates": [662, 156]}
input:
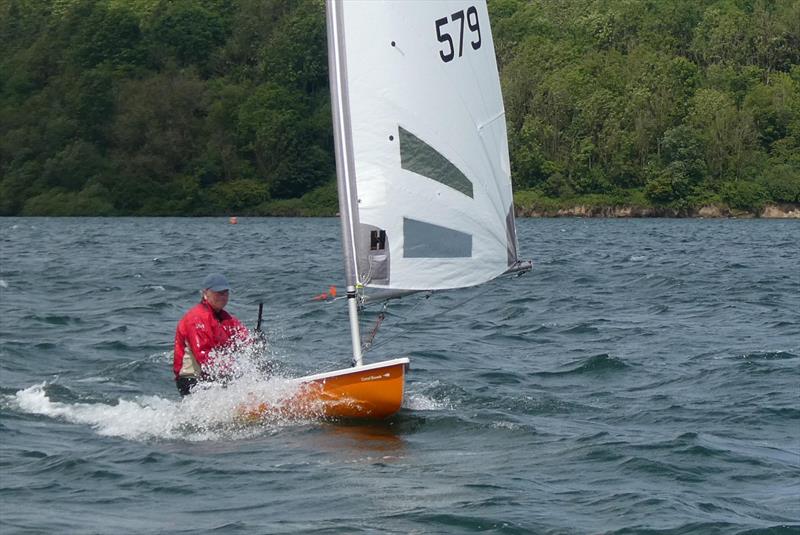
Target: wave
{"type": "Point", "coordinates": [582, 328]}
{"type": "Point", "coordinates": [54, 319]}
{"type": "Point", "coordinates": [766, 355]}
{"type": "Point", "coordinates": [713, 528]}
{"type": "Point", "coordinates": [598, 364]}
{"type": "Point", "coordinates": [433, 396]}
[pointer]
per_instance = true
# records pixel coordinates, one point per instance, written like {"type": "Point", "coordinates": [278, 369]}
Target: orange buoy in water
{"type": "Point", "coordinates": [233, 220]}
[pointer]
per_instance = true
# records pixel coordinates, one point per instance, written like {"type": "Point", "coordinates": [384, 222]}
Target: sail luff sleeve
{"type": "Point", "coordinates": [342, 135]}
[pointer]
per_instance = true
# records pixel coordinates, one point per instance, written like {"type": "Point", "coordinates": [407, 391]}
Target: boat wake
{"type": "Point", "coordinates": [255, 393]}
{"type": "Point", "coordinates": [433, 396]}
{"type": "Point", "coordinates": [212, 412]}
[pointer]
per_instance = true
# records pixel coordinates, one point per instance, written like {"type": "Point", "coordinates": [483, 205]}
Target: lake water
{"type": "Point", "coordinates": [643, 378]}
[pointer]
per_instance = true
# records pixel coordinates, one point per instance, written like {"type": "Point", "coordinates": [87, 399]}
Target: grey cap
{"type": "Point", "coordinates": [216, 283]}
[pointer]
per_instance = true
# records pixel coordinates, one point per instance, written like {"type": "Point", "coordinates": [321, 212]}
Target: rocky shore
{"type": "Point", "coordinates": [772, 211]}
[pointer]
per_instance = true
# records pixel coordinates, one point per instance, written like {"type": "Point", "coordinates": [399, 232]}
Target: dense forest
{"type": "Point", "coordinates": [202, 107]}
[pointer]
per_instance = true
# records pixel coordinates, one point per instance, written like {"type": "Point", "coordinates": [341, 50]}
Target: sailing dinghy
{"type": "Point", "coordinates": [423, 173]}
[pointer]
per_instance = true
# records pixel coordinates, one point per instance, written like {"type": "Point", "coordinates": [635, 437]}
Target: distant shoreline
{"type": "Point", "coordinates": [770, 211]}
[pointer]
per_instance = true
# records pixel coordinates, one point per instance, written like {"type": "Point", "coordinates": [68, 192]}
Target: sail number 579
{"type": "Point", "coordinates": [450, 28]}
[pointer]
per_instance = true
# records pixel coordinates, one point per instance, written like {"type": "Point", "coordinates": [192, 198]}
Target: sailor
{"type": "Point", "coordinates": [203, 334]}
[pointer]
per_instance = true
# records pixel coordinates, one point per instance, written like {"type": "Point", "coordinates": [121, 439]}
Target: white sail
{"type": "Point", "coordinates": [422, 153]}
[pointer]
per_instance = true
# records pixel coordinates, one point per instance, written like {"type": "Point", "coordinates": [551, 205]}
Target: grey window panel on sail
{"type": "Point", "coordinates": [419, 157]}
{"type": "Point", "coordinates": [426, 240]}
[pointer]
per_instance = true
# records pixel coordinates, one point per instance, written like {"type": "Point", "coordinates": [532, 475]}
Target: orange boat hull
{"type": "Point", "coordinates": [374, 391]}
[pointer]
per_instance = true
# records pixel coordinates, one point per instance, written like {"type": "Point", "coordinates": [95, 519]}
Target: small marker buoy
{"type": "Point", "coordinates": [233, 220]}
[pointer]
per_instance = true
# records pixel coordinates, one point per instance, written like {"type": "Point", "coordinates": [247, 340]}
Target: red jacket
{"type": "Point", "coordinates": [201, 330]}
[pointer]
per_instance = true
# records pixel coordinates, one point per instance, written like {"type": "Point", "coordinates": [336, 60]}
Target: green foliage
{"type": "Point", "coordinates": [55, 202]}
{"type": "Point", "coordinates": [181, 196]}
{"type": "Point", "coordinates": [782, 183]}
{"type": "Point", "coordinates": [672, 98]}
{"type": "Point", "coordinates": [319, 202]}
{"type": "Point", "coordinates": [323, 200]}
{"type": "Point", "coordinates": [194, 107]}
{"type": "Point", "coordinates": [187, 33]}
{"type": "Point", "coordinates": [296, 54]}
{"type": "Point", "coordinates": [773, 107]}
{"type": "Point", "coordinates": [535, 201]}
{"type": "Point", "coordinates": [276, 126]}
{"type": "Point", "coordinates": [237, 195]}
{"type": "Point", "coordinates": [721, 35]}
{"type": "Point", "coordinates": [73, 166]}
{"type": "Point", "coordinates": [557, 185]}
{"type": "Point", "coordinates": [670, 186]}
{"type": "Point", "coordinates": [745, 196]}
{"type": "Point", "coordinates": [727, 132]}
{"type": "Point", "coordinates": [104, 34]}
{"type": "Point", "coordinates": [158, 127]}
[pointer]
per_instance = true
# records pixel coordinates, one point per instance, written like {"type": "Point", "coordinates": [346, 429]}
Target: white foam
{"type": "Point", "coordinates": [421, 402]}
{"type": "Point", "coordinates": [3, 284]}
{"type": "Point", "coordinates": [212, 412]}
{"type": "Point", "coordinates": [512, 426]}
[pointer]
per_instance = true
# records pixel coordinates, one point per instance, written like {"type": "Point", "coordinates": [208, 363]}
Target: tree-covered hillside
{"type": "Point", "coordinates": [189, 107]}
{"type": "Point", "coordinates": [674, 103]}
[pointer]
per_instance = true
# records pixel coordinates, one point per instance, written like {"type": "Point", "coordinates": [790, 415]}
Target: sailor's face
{"type": "Point", "coordinates": [216, 300]}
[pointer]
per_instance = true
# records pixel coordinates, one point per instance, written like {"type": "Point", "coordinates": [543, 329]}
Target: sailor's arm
{"type": "Point", "coordinates": [178, 351]}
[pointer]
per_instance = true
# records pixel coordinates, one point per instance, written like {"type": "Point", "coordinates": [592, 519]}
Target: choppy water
{"type": "Point", "coordinates": [644, 378]}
